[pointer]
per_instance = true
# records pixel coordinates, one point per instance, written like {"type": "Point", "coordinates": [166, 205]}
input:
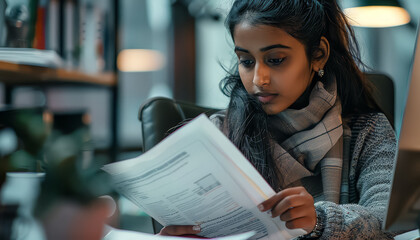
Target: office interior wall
{"type": "Point", "coordinates": [142, 28]}
{"type": "Point", "coordinates": [95, 101]}
{"type": "Point", "coordinates": [390, 51]}
{"type": "Point", "coordinates": [214, 53]}
{"type": "Point", "coordinates": [213, 48]}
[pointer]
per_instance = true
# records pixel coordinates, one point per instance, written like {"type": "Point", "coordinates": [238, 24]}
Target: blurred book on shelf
{"type": "Point", "coordinates": [3, 6]}
{"type": "Point", "coordinates": [78, 31]}
{"type": "Point", "coordinates": [40, 25]}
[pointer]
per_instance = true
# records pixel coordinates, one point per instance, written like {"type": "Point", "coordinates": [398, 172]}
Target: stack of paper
{"type": "Point", "coordinates": [31, 56]}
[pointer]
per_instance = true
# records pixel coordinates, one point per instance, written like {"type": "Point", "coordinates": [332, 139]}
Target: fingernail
{"type": "Point", "coordinates": [261, 207]}
{"type": "Point", "coordinates": [196, 228]}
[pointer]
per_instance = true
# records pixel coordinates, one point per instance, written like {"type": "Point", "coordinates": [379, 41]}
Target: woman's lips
{"type": "Point", "coordinates": [265, 98]}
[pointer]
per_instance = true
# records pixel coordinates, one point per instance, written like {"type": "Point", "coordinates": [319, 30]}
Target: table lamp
{"type": "Point", "coordinates": [375, 13]}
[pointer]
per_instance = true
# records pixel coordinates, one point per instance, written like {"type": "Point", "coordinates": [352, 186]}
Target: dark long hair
{"type": "Point", "coordinates": [307, 21]}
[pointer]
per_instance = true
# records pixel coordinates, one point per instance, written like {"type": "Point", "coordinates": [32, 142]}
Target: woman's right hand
{"type": "Point", "coordinates": [180, 230]}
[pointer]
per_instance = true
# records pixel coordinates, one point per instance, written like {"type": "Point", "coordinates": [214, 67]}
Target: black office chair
{"type": "Point", "coordinates": [158, 116]}
{"type": "Point", "coordinates": [383, 93]}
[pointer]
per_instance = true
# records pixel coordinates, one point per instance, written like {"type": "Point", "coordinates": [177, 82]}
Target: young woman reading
{"type": "Point", "coordinates": [302, 112]}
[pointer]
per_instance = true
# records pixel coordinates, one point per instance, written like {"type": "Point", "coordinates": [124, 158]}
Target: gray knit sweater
{"type": "Point", "coordinates": [373, 148]}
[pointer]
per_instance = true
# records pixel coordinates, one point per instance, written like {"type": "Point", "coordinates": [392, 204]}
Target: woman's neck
{"type": "Point", "coordinates": [303, 100]}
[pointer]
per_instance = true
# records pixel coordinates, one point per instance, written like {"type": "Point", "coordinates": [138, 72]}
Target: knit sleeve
{"type": "Point", "coordinates": [372, 163]}
{"type": "Point", "coordinates": [218, 118]}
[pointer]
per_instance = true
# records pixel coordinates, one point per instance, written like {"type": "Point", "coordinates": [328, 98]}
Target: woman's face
{"type": "Point", "coordinates": [273, 65]}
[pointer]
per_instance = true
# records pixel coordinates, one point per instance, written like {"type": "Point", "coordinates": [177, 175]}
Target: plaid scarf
{"type": "Point", "coordinates": [314, 143]}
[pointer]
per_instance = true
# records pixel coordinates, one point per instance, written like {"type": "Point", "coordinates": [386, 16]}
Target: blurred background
{"type": "Point", "coordinates": [86, 66]}
{"type": "Point", "coordinates": [178, 48]}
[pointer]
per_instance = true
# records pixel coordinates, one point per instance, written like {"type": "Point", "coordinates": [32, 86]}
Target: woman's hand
{"type": "Point", "coordinates": [180, 230]}
{"type": "Point", "coordinates": [295, 206]}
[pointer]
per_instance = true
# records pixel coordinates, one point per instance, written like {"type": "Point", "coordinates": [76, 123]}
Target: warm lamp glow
{"type": "Point", "coordinates": [140, 60]}
{"type": "Point", "coordinates": [377, 16]}
{"type": "Point", "coordinates": [47, 117]}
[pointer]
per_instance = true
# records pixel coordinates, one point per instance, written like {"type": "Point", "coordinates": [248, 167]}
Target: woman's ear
{"type": "Point", "coordinates": [321, 55]}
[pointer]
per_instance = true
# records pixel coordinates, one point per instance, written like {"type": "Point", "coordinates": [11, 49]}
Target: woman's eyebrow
{"type": "Point", "coordinates": [241, 49]}
{"type": "Point", "coordinates": [264, 49]}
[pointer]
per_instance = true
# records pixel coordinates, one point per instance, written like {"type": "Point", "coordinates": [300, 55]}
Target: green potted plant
{"type": "Point", "coordinates": [23, 132]}
{"type": "Point", "coordinates": [51, 169]}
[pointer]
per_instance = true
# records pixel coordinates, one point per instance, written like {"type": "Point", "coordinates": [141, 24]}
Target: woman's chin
{"type": "Point", "coordinates": [271, 109]}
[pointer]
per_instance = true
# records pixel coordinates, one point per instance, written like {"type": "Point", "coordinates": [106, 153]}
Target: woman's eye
{"type": "Point", "coordinates": [275, 61]}
{"type": "Point", "coordinates": [246, 63]}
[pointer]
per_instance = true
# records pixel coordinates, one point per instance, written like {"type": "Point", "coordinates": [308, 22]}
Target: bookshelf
{"type": "Point", "coordinates": [66, 38]}
{"type": "Point", "coordinates": [20, 74]}
{"type": "Point", "coordinates": [14, 75]}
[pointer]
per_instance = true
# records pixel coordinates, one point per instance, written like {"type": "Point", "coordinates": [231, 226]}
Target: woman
{"type": "Point", "coordinates": [301, 111]}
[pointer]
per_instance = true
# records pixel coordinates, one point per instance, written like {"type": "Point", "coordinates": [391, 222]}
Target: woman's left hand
{"type": "Point", "coordinates": [295, 206]}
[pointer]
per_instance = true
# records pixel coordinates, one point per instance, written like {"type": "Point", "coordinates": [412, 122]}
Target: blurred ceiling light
{"type": "Point", "coordinates": [375, 13]}
{"type": "Point", "coordinates": [140, 60]}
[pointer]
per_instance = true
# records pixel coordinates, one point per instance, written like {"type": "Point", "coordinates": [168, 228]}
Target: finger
{"type": "Point", "coordinates": [176, 230]}
{"type": "Point", "coordinates": [293, 201]}
{"type": "Point", "coordinates": [271, 202]}
{"type": "Point", "coordinates": [305, 223]}
{"type": "Point", "coordinates": [298, 212]}
{"type": "Point", "coordinates": [287, 203]}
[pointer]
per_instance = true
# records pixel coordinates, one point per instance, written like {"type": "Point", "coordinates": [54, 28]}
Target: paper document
{"type": "Point", "coordinates": [31, 56]}
{"type": "Point", "coordinates": [196, 176]}
{"type": "Point", "coordinates": [117, 234]}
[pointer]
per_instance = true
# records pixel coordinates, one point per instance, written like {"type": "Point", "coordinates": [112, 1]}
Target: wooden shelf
{"type": "Point", "coordinates": [19, 74]}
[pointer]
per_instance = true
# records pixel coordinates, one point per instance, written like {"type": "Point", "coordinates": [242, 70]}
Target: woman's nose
{"type": "Point", "coordinates": [261, 75]}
